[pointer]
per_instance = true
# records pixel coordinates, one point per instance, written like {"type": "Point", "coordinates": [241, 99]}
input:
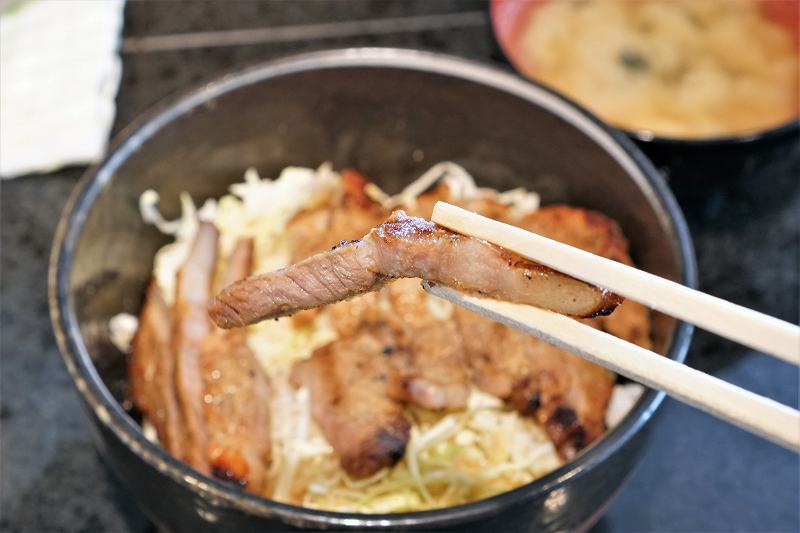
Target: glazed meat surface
{"type": "Point", "coordinates": [236, 396]}
{"type": "Point", "coordinates": [349, 380]}
{"type": "Point", "coordinates": [566, 394]}
{"type": "Point", "coordinates": [581, 228]}
{"type": "Point", "coordinates": [152, 370]}
{"type": "Point", "coordinates": [431, 369]}
{"type": "Point", "coordinates": [438, 359]}
{"type": "Point", "coordinates": [201, 387]}
{"type": "Point", "coordinates": [406, 247]}
{"type": "Point", "coordinates": [598, 234]}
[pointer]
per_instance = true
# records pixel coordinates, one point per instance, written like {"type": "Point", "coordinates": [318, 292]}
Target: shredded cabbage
{"type": "Point", "coordinates": [122, 328]}
{"type": "Point", "coordinates": [450, 459]}
{"type": "Point", "coordinates": [622, 401]}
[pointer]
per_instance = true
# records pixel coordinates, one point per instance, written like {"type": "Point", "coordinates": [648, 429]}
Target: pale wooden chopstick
{"type": "Point", "coordinates": [759, 415]}
{"type": "Point", "coordinates": [751, 328]}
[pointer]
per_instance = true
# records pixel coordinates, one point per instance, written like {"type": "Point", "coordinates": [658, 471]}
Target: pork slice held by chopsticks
{"type": "Point", "coordinates": [406, 247]}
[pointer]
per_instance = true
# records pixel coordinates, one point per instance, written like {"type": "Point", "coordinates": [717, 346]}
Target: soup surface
{"type": "Point", "coordinates": [677, 68]}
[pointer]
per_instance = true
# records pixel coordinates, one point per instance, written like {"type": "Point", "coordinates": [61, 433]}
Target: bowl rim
{"type": "Point", "coordinates": [503, 39]}
{"type": "Point", "coordinates": [722, 141]}
{"type": "Point", "coordinates": [110, 412]}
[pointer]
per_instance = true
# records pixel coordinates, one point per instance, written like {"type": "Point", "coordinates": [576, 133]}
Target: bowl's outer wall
{"type": "Point", "coordinates": [697, 169]}
{"type": "Point", "coordinates": [391, 124]}
{"type": "Point", "coordinates": [175, 508]}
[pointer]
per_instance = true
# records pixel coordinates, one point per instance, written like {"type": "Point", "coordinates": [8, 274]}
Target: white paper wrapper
{"type": "Point", "coordinates": [60, 73]}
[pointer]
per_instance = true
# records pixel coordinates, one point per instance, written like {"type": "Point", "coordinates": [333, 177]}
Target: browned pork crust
{"type": "Point", "coordinates": [432, 370]}
{"type": "Point", "coordinates": [565, 393]}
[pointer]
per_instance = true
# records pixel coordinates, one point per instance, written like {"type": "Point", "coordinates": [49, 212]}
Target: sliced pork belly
{"type": "Point", "coordinates": [349, 380]}
{"type": "Point", "coordinates": [582, 228]}
{"type": "Point", "coordinates": [190, 327]}
{"type": "Point", "coordinates": [565, 393]}
{"type": "Point", "coordinates": [152, 370]}
{"type": "Point", "coordinates": [236, 396]}
{"type": "Point", "coordinates": [406, 247]}
{"type": "Point", "coordinates": [430, 367]}
{"type": "Point", "coordinates": [432, 370]}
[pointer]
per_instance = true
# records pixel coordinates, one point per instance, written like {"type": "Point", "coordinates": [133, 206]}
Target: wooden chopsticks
{"type": "Point", "coordinates": [757, 414]}
{"type": "Point", "coordinates": [745, 326]}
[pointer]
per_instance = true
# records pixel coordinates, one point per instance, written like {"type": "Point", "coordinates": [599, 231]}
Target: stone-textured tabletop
{"type": "Point", "coordinates": [699, 474]}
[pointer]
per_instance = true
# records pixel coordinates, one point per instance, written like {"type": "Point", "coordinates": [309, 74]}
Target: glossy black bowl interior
{"type": "Point", "coordinates": [390, 114]}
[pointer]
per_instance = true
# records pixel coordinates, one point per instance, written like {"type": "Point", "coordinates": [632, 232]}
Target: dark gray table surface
{"type": "Point", "coordinates": [699, 473]}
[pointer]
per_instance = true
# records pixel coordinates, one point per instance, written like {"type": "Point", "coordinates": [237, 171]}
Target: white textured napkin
{"type": "Point", "coordinates": [59, 73]}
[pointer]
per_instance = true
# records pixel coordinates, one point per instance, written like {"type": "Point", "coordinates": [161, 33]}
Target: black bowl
{"type": "Point", "coordinates": [391, 114]}
{"type": "Point", "coordinates": [740, 163]}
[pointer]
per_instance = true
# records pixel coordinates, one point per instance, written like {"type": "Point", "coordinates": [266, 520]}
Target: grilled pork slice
{"type": "Point", "coordinates": [432, 370]}
{"type": "Point", "coordinates": [565, 393]}
{"type": "Point", "coordinates": [236, 395]}
{"type": "Point", "coordinates": [190, 327]}
{"type": "Point", "coordinates": [152, 370]}
{"type": "Point", "coordinates": [406, 247]}
{"type": "Point", "coordinates": [582, 228]}
{"type": "Point", "coordinates": [349, 381]}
